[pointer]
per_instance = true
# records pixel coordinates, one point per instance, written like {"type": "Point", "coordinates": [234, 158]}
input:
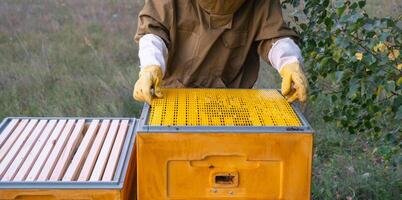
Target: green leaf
{"type": "Point", "coordinates": [390, 86]}
{"type": "Point", "coordinates": [362, 3]}
{"type": "Point", "coordinates": [353, 89]}
{"type": "Point", "coordinates": [399, 113]}
{"type": "Point", "coordinates": [337, 54]}
{"type": "Point", "coordinates": [342, 42]}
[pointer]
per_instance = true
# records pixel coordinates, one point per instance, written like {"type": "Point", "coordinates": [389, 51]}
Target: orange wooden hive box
{"type": "Point", "coordinates": [223, 144]}
{"type": "Point", "coordinates": [67, 158]}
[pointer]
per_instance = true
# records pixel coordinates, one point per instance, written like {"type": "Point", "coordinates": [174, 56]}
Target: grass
{"type": "Point", "coordinates": [64, 58]}
{"type": "Point", "coordinates": [77, 58]}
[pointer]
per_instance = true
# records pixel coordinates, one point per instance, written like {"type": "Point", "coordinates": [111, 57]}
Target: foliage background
{"type": "Point", "coordinates": [77, 58]}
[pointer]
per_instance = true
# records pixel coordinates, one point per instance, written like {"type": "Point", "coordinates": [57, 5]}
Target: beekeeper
{"type": "Point", "coordinates": [215, 44]}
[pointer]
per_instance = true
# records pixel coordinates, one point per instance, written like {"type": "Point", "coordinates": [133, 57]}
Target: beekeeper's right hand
{"type": "Point", "coordinates": [150, 78]}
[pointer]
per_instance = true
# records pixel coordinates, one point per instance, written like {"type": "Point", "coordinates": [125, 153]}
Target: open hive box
{"type": "Point", "coordinates": [66, 158]}
{"type": "Point", "coordinates": [223, 144]}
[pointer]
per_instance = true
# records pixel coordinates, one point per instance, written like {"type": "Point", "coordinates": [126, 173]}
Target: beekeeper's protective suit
{"type": "Point", "coordinates": [215, 44]}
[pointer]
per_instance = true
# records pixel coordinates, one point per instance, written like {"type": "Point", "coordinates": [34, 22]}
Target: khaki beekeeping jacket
{"type": "Point", "coordinates": [213, 50]}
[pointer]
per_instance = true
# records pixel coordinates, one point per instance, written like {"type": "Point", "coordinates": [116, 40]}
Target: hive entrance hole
{"type": "Point", "coordinates": [224, 179]}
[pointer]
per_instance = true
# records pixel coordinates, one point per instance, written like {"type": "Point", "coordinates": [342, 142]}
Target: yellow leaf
{"type": "Point", "coordinates": [380, 47]}
{"type": "Point", "coordinates": [87, 42]}
{"type": "Point", "coordinates": [359, 56]}
{"type": "Point", "coordinates": [399, 66]}
{"type": "Point", "coordinates": [394, 55]}
{"type": "Point", "coordinates": [379, 90]}
{"type": "Point", "coordinates": [399, 82]}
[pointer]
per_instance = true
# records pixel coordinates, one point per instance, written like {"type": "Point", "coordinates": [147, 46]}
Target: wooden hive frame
{"type": "Point", "coordinates": [70, 158]}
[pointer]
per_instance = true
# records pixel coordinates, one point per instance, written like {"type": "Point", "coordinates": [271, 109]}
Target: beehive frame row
{"type": "Point", "coordinates": [62, 141]}
{"type": "Point", "coordinates": [144, 126]}
{"type": "Point", "coordinates": [222, 107]}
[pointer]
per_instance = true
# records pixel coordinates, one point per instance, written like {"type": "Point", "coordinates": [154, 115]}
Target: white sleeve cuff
{"type": "Point", "coordinates": [152, 51]}
{"type": "Point", "coordinates": [284, 51]}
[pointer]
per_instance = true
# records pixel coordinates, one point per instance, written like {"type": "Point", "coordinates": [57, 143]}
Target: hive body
{"type": "Point", "coordinates": [223, 144]}
{"type": "Point", "coordinates": [60, 158]}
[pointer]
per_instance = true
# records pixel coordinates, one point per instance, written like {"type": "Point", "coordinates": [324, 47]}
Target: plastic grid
{"type": "Point", "coordinates": [222, 107]}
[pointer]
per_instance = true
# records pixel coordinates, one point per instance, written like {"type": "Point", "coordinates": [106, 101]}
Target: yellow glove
{"type": "Point", "coordinates": [294, 83]}
{"type": "Point", "coordinates": [149, 77]}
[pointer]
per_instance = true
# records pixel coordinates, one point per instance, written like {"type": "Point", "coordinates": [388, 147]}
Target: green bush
{"type": "Point", "coordinates": [354, 61]}
{"type": "Point", "coordinates": [353, 64]}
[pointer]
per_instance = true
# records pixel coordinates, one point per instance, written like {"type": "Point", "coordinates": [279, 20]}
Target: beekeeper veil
{"type": "Point", "coordinates": [220, 11]}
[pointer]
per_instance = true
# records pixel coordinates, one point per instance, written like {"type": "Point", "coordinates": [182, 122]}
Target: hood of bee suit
{"type": "Point", "coordinates": [220, 11]}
